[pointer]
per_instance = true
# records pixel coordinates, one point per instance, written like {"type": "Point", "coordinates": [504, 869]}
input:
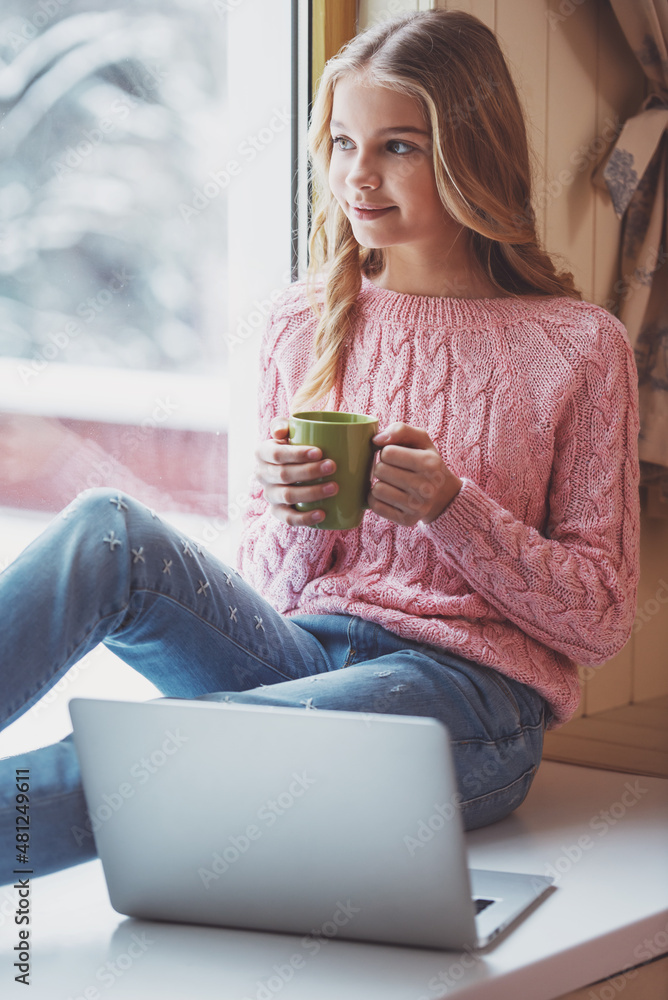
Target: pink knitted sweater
{"type": "Point", "coordinates": [533, 403]}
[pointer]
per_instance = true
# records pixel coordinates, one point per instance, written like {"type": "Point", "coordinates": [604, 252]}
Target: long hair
{"type": "Point", "coordinates": [451, 63]}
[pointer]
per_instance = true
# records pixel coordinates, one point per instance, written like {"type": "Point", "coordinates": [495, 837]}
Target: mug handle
{"type": "Point", "coordinates": [376, 448]}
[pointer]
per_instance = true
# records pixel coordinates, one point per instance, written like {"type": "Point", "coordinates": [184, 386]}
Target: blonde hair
{"type": "Point", "coordinates": [481, 165]}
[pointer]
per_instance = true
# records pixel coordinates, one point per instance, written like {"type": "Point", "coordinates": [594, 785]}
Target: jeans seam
{"type": "Point", "coordinates": [351, 652]}
{"type": "Point", "coordinates": [502, 739]}
{"type": "Point", "coordinates": [42, 800]}
{"type": "Point", "coordinates": [465, 803]}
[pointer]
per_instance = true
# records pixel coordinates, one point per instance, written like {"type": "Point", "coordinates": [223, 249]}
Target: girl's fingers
{"type": "Point", "coordinates": [397, 498]}
{"type": "Point", "coordinates": [276, 453]}
{"type": "Point", "coordinates": [394, 476]}
{"type": "Point", "coordinates": [295, 518]}
{"type": "Point", "coordinates": [288, 495]}
{"type": "Point", "coordinates": [279, 428]}
{"type": "Point", "coordinates": [404, 435]}
{"type": "Point", "coordinates": [413, 459]}
{"type": "Point", "coordinates": [270, 473]}
{"type": "Point", "coordinates": [391, 513]}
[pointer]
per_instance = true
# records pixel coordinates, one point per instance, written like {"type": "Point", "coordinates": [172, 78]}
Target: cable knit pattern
{"type": "Point", "coordinates": [533, 403]}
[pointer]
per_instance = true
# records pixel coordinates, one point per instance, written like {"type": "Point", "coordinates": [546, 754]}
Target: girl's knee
{"type": "Point", "coordinates": [97, 499]}
{"type": "Point", "coordinates": [105, 517]}
{"type": "Point", "coordinates": [98, 502]}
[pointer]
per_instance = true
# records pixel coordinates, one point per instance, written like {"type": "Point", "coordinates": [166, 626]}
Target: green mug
{"type": "Point", "coordinates": [346, 439]}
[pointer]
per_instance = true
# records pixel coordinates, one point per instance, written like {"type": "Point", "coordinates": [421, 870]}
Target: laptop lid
{"type": "Point", "coordinates": [323, 823]}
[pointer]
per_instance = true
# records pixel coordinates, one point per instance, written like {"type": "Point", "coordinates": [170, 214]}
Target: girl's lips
{"type": "Point", "coordinates": [367, 213]}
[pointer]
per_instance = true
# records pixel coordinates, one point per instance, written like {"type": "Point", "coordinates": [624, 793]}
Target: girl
{"type": "Point", "coordinates": [501, 544]}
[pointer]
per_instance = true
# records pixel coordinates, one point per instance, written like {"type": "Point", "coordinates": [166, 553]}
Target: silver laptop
{"type": "Point", "coordinates": [320, 823]}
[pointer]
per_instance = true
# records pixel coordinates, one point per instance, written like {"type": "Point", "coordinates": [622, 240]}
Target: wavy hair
{"type": "Point", "coordinates": [482, 168]}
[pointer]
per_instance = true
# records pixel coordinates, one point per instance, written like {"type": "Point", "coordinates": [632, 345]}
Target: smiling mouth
{"type": "Point", "coordinates": [370, 213]}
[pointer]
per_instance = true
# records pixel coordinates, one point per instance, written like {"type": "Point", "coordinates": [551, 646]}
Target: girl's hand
{"type": "Point", "coordinates": [280, 466]}
{"type": "Point", "coordinates": [414, 484]}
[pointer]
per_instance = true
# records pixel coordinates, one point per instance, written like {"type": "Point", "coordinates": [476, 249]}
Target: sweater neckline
{"type": "Point", "coordinates": [435, 310]}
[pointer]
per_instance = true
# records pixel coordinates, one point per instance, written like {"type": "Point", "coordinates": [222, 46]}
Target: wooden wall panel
{"type": "Point", "coordinates": [650, 665]}
{"type": "Point", "coordinates": [372, 11]}
{"type": "Point", "coordinates": [333, 26]}
{"type": "Point", "coordinates": [524, 41]}
{"type": "Point", "coordinates": [484, 9]}
{"type": "Point", "coordinates": [571, 125]}
{"type": "Point", "coordinates": [620, 90]}
{"type": "Point", "coordinates": [609, 685]}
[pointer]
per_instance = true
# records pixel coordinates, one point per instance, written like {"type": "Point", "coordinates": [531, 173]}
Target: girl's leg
{"type": "Point", "coordinates": [108, 570]}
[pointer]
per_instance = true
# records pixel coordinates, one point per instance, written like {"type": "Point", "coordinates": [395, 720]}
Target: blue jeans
{"type": "Point", "coordinates": [109, 570]}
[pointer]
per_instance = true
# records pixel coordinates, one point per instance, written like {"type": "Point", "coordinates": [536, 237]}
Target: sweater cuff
{"type": "Point", "coordinates": [466, 523]}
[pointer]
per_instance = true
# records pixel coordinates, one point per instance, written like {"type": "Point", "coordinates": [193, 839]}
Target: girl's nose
{"type": "Point", "coordinates": [363, 173]}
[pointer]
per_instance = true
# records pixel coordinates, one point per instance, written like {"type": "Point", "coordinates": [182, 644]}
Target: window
{"type": "Point", "coordinates": [148, 167]}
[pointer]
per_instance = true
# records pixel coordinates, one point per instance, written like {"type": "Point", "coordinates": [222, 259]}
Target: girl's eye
{"type": "Point", "coordinates": [338, 139]}
{"type": "Point", "coordinates": [398, 142]}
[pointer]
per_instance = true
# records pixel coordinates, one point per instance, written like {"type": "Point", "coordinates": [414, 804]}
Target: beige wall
{"type": "Point", "coordinates": [579, 80]}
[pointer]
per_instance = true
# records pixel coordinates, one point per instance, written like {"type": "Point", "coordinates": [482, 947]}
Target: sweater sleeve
{"type": "Point", "coordinates": [275, 558]}
{"type": "Point", "coordinates": [574, 589]}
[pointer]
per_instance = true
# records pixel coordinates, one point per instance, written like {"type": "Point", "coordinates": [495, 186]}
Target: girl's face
{"type": "Point", "coordinates": [382, 159]}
